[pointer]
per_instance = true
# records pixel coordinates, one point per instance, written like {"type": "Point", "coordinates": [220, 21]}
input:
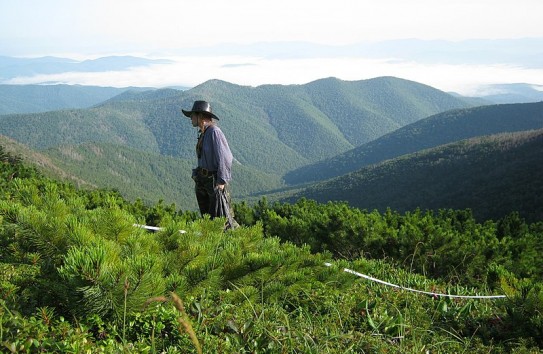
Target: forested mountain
{"type": "Point", "coordinates": [134, 173]}
{"type": "Point", "coordinates": [271, 128]}
{"type": "Point", "coordinates": [433, 131]}
{"type": "Point", "coordinates": [140, 144]}
{"type": "Point", "coordinates": [142, 95]}
{"type": "Point", "coordinates": [147, 176]}
{"type": "Point", "coordinates": [72, 127]}
{"type": "Point", "coordinates": [492, 175]}
{"type": "Point", "coordinates": [331, 113]}
{"type": "Point", "coordinates": [42, 162]}
{"type": "Point", "coordinates": [42, 98]}
{"type": "Point", "coordinates": [350, 112]}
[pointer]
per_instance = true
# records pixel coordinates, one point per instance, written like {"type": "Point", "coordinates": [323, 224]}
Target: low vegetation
{"type": "Point", "coordinates": [79, 276]}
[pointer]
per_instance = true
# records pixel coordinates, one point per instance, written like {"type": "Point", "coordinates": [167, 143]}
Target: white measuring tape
{"type": "Point", "coordinates": [154, 228]}
{"type": "Point", "coordinates": [418, 291]}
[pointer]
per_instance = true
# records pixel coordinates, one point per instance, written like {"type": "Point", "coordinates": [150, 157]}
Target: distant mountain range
{"type": "Point", "coordinates": [11, 67]}
{"type": "Point", "coordinates": [139, 143]}
{"type": "Point", "coordinates": [521, 52]}
{"type": "Point", "coordinates": [273, 127]}
{"type": "Point", "coordinates": [513, 93]}
{"type": "Point", "coordinates": [432, 131]}
{"type": "Point", "coordinates": [480, 52]}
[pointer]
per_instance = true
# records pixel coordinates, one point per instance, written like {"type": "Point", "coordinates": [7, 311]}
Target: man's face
{"type": "Point", "coordinates": [194, 118]}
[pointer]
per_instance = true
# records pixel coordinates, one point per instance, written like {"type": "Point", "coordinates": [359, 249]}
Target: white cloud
{"type": "Point", "coordinates": [150, 28]}
{"type": "Point", "coordinates": [254, 71]}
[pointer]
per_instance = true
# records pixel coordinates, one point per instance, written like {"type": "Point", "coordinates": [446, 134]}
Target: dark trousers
{"type": "Point", "coordinates": [207, 197]}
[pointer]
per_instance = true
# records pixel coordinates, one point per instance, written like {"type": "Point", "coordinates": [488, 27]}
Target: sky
{"type": "Point", "coordinates": [453, 45]}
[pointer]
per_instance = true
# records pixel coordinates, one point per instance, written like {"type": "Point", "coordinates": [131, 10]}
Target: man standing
{"type": "Point", "coordinates": [214, 164]}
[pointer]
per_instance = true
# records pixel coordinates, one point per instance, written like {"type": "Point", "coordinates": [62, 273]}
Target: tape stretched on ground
{"type": "Point", "coordinates": [418, 291]}
{"type": "Point", "coordinates": [154, 228]}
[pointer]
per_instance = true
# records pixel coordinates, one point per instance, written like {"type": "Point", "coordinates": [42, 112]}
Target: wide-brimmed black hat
{"type": "Point", "coordinates": [200, 107]}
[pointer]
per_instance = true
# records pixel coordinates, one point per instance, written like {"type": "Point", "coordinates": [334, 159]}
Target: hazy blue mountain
{"type": "Point", "coordinates": [43, 98]}
{"type": "Point", "coordinates": [116, 63]}
{"type": "Point", "coordinates": [512, 93]}
{"type": "Point", "coordinates": [492, 175]}
{"type": "Point", "coordinates": [525, 52]}
{"type": "Point", "coordinates": [11, 67]}
{"type": "Point", "coordinates": [435, 130]}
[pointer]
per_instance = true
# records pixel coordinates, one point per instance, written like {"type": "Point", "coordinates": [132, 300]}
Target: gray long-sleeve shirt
{"type": "Point", "coordinates": [216, 154]}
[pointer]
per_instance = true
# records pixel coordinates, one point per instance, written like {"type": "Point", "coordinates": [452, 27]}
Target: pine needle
{"type": "Point", "coordinates": [183, 320]}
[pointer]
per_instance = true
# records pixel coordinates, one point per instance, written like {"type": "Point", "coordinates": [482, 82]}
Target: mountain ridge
{"type": "Point", "coordinates": [292, 121]}
{"type": "Point", "coordinates": [25, 99]}
{"type": "Point", "coordinates": [272, 129]}
{"type": "Point", "coordinates": [491, 175]}
{"type": "Point", "coordinates": [429, 132]}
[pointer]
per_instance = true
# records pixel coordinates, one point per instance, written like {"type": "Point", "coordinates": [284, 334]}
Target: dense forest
{"type": "Point", "coordinates": [283, 137]}
{"type": "Point", "coordinates": [440, 129]}
{"type": "Point", "coordinates": [492, 175]}
{"type": "Point", "coordinates": [78, 275]}
{"type": "Point", "coordinates": [271, 129]}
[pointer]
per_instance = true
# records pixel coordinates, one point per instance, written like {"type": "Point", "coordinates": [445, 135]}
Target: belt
{"type": "Point", "coordinates": [205, 172]}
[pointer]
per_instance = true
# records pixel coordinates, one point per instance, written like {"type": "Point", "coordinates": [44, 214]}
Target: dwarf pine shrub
{"type": "Point", "coordinates": [77, 276]}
